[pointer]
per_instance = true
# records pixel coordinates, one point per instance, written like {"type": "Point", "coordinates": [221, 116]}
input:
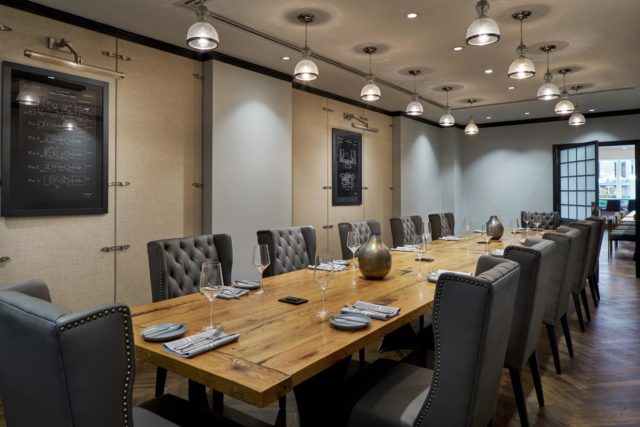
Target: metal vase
{"type": "Point", "coordinates": [374, 258]}
{"type": "Point", "coordinates": [495, 229]}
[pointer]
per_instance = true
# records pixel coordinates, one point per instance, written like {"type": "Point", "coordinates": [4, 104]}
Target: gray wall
{"type": "Point", "coordinates": [248, 168]}
{"type": "Point", "coordinates": [508, 169]}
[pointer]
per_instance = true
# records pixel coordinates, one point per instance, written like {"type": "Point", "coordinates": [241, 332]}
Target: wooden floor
{"type": "Point", "coordinates": [600, 386]}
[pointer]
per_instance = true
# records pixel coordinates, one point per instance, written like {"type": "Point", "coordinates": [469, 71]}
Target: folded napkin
{"type": "Point", "coordinates": [407, 248]}
{"type": "Point", "coordinates": [228, 292]}
{"type": "Point", "coordinates": [334, 267]}
{"type": "Point", "coordinates": [374, 311]}
{"type": "Point", "coordinates": [450, 238]}
{"type": "Point", "coordinates": [498, 252]}
{"type": "Point", "coordinates": [200, 343]}
{"type": "Point", "coordinates": [434, 275]}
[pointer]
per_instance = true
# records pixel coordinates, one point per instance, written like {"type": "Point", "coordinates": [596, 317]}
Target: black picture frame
{"type": "Point", "coordinates": [346, 168]}
{"type": "Point", "coordinates": [55, 152]}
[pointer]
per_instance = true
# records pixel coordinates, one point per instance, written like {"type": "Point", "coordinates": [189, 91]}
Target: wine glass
{"type": "Point", "coordinates": [353, 243]}
{"type": "Point", "coordinates": [210, 284]}
{"type": "Point", "coordinates": [484, 234]}
{"type": "Point", "coordinates": [467, 225]}
{"type": "Point", "coordinates": [526, 220]}
{"type": "Point", "coordinates": [537, 220]}
{"type": "Point", "coordinates": [261, 261]}
{"type": "Point", "coordinates": [323, 274]}
{"type": "Point", "coordinates": [420, 251]}
{"type": "Point", "coordinates": [513, 225]}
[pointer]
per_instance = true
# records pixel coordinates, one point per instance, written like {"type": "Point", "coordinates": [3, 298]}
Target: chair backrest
{"type": "Point", "coordinates": [364, 229]}
{"type": "Point", "coordinates": [601, 224]}
{"type": "Point", "coordinates": [60, 369]}
{"type": "Point", "coordinates": [578, 281]}
{"type": "Point", "coordinates": [174, 264]}
{"type": "Point", "coordinates": [613, 206]}
{"type": "Point", "coordinates": [471, 322]}
{"type": "Point", "coordinates": [405, 229]}
{"type": "Point", "coordinates": [561, 277]}
{"type": "Point", "coordinates": [290, 248]}
{"type": "Point", "coordinates": [631, 206]}
{"type": "Point", "coordinates": [34, 287]}
{"type": "Point", "coordinates": [534, 258]}
{"type": "Point", "coordinates": [550, 220]}
{"type": "Point", "coordinates": [442, 224]}
{"type": "Point", "coordinates": [592, 250]}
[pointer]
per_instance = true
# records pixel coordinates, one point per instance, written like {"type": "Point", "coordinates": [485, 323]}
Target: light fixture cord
{"type": "Point", "coordinates": [370, 73]}
{"type": "Point", "coordinates": [414, 85]}
{"type": "Point", "coordinates": [548, 52]}
{"type": "Point", "coordinates": [447, 98]}
{"type": "Point", "coordinates": [306, 24]}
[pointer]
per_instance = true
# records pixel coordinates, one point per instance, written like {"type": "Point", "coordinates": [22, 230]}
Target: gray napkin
{"type": "Point", "coordinates": [228, 292]}
{"type": "Point", "coordinates": [201, 347]}
{"type": "Point", "coordinates": [374, 311]}
{"type": "Point", "coordinates": [334, 267]}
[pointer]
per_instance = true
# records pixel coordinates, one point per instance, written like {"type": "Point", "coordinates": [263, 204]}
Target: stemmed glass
{"type": "Point", "coordinates": [420, 251]}
{"type": "Point", "coordinates": [526, 220]}
{"type": "Point", "coordinates": [484, 234]}
{"type": "Point", "coordinates": [211, 283]}
{"type": "Point", "coordinates": [323, 274]}
{"type": "Point", "coordinates": [467, 225]}
{"type": "Point", "coordinates": [353, 243]}
{"type": "Point", "coordinates": [513, 225]}
{"type": "Point", "coordinates": [537, 220]}
{"type": "Point", "coordinates": [261, 261]}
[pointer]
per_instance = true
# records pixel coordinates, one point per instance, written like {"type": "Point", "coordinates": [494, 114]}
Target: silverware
{"type": "Point", "coordinates": [347, 320]}
{"type": "Point", "coordinates": [162, 330]}
{"type": "Point", "coordinates": [198, 341]}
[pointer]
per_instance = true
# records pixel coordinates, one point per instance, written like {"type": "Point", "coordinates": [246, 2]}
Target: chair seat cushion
{"type": "Point", "coordinates": [395, 400]}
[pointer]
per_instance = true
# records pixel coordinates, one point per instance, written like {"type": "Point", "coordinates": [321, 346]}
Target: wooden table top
{"type": "Point", "coordinates": [281, 345]}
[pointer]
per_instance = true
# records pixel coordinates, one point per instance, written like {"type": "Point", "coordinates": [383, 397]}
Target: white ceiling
{"type": "Point", "coordinates": [599, 40]}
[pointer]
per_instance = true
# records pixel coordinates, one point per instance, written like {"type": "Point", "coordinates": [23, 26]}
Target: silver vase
{"type": "Point", "coordinates": [374, 258]}
{"type": "Point", "coordinates": [495, 228]}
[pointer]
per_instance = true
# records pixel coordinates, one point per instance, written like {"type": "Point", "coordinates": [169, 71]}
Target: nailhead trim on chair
{"type": "Point", "coordinates": [127, 339]}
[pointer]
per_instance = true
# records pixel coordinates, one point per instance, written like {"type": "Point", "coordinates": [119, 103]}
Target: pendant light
{"type": "Point", "coordinates": [447, 119]}
{"type": "Point", "coordinates": [548, 91]}
{"type": "Point", "coordinates": [69, 124]}
{"type": "Point", "coordinates": [414, 108]}
{"type": "Point", "coordinates": [28, 97]}
{"type": "Point", "coordinates": [306, 70]}
{"type": "Point", "coordinates": [522, 67]}
{"type": "Point", "coordinates": [564, 106]}
{"type": "Point", "coordinates": [577, 119]}
{"type": "Point", "coordinates": [201, 34]}
{"type": "Point", "coordinates": [370, 91]}
{"type": "Point", "coordinates": [472, 127]}
{"type": "Point", "coordinates": [483, 31]}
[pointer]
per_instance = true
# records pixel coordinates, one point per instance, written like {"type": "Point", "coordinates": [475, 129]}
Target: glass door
{"type": "Point", "coordinates": [576, 180]}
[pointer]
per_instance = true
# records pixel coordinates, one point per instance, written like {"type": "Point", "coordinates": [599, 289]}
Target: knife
{"type": "Point", "coordinates": [163, 330]}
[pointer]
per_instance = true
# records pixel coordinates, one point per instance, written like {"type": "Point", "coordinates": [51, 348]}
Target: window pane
{"type": "Point", "coordinates": [572, 183]}
{"type": "Point", "coordinates": [591, 151]}
{"type": "Point", "coordinates": [591, 197]}
{"type": "Point", "coordinates": [573, 212]}
{"type": "Point", "coordinates": [564, 183]}
{"type": "Point", "coordinates": [572, 169]}
{"type": "Point", "coordinates": [591, 168]}
{"type": "Point", "coordinates": [587, 212]}
{"type": "Point", "coordinates": [564, 211]}
{"type": "Point", "coordinates": [591, 183]}
{"type": "Point", "coordinates": [572, 154]}
{"type": "Point", "coordinates": [582, 183]}
{"type": "Point", "coordinates": [563, 156]}
{"type": "Point", "coordinates": [564, 170]}
{"type": "Point", "coordinates": [572, 197]}
{"type": "Point", "coordinates": [564, 198]}
{"type": "Point", "coordinates": [581, 168]}
{"type": "Point", "coordinates": [581, 198]}
{"type": "Point", "coordinates": [581, 153]}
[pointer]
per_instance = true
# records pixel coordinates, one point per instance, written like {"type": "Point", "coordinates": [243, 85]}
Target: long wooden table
{"type": "Point", "coordinates": [282, 345]}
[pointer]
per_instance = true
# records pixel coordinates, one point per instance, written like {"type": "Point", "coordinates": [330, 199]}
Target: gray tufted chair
{"type": "Point", "coordinates": [590, 254]}
{"type": "Point", "coordinates": [364, 229]}
{"type": "Point", "coordinates": [471, 318]}
{"type": "Point", "coordinates": [290, 248]}
{"type": "Point", "coordinates": [535, 259]}
{"type": "Point", "coordinates": [405, 229]}
{"type": "Point", "coordinates": [175, 264]}
{"type": "Point", "coordinates": [61, 369]}
{"type": "Point", "coordinates": [594, 274]}
{"type": "Point", "coordinates": [174, 267]}
{"type": "Point", "coordinates": [440, 228]}
{"type": "Point", "coordinates": [558, 290]}
{"type": "Point", "coordinates": [578, 268]}
{"type": "Point", "coordinates": [550, 220]}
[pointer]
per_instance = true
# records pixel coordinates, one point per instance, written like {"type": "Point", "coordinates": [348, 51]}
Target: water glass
{"type": "Point", "coordinates": [261, 261]}
{"type": "Point", "coordinates": [420, 251]}
{"type": "Point", "coordinates": [467, 225]}
{"type": "Point", "coordinates": [210, 284]}
{"type": "Point", "coordinates": [353, 243]}
{"type": "Point", "coordinates": [323, 275]}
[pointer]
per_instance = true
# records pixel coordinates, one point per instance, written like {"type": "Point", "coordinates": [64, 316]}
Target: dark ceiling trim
{"type": "Point", "coordinates": [421, 119]}
{"type": "Point", "coordinates": [241, 63]}
{"type": "Point", "coordinates": [333, 96]}
{"type": "Point", "coordinates": [560, 118]}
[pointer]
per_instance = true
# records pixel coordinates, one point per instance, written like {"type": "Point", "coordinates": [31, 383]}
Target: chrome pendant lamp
{"type": "Point", "coordinates": [447, 119]}
{"type": "Point", "coordinates": [472, 127]}
{"type": "Point", "coordinates": [306, 70]}
{"type": "Point", "coordinates": [522, 67]}
{"type": "Point", "coordinates": [564, 106]}
{"type": "Point", "coordinates": [483, 31]}
{"type": "Point", "coordinates": [577, 118]}
{"type": "Point", "coordinates": [414, 108]}
{"type": "Point", "coordinates": [201, 34]}
{"type": "Point", "coordinates": [548, 91]}
{"type": "Point", "coordinates": [370, 91]}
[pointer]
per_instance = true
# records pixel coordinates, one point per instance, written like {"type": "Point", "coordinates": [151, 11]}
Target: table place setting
{"type": "Point", "coordinates": [405, 248]}
{"type": "Point", "coordinates": [334, 266]}
{"type": "Point", "coordinates": [434, 275]}
{"type": "Point", "coordinates": [199, 343]}
{"type": "Point", "coordinates": [163, 331]}
{"type": "Point", "coordinates": [374, 311]}
{"type": "Point", "coordinates": [350, 321]}
{"type": "Point", "coordinates": [450, 238]}
{"type": "Point", "coordinates": [497, 253]}
{"type": "Point", "coordinates": [246, 284]}
{"type": "Point", "coordinates": [227, 292]}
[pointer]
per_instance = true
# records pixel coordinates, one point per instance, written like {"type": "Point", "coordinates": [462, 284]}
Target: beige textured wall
{"type": "Point", "coordinates": [154, 140]}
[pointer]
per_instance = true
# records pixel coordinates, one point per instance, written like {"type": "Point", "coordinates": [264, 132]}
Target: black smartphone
{"type": "Point", "coordinates": [424, 259]}
{"type": "Point", "coordinates": [293, 300]}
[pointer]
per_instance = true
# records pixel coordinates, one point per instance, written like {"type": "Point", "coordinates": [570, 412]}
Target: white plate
{"type": "Point", "coordinates": [350, 321]}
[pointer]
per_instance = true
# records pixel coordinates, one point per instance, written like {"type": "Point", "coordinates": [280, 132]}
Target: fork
{"type": "Point", "coordinates": [199, 341]}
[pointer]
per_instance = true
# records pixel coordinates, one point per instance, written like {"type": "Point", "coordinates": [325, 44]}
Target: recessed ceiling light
{"type": "Point", "coordinates": [457, 48]}
{"type": "Point", "coordinates": [591, 110]}
{"type": "Point", "coordinates": [489, 117]}
{"type": "Point", "coordinates": [412, 15]}
{"type": "Point", "coordinates": [286, 58]}
{"type": "Point", "coordinates": [488, 71]}
{"type": "Point", "coordinates": [511, 87]}
{"type": "Point", "coordinates": [526, 113]}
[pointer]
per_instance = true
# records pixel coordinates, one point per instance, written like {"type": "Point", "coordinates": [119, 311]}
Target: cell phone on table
{"type": "Point", "coordinates": [293, 300]}
{"type": "Point", "coordinates": [424, 259]}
